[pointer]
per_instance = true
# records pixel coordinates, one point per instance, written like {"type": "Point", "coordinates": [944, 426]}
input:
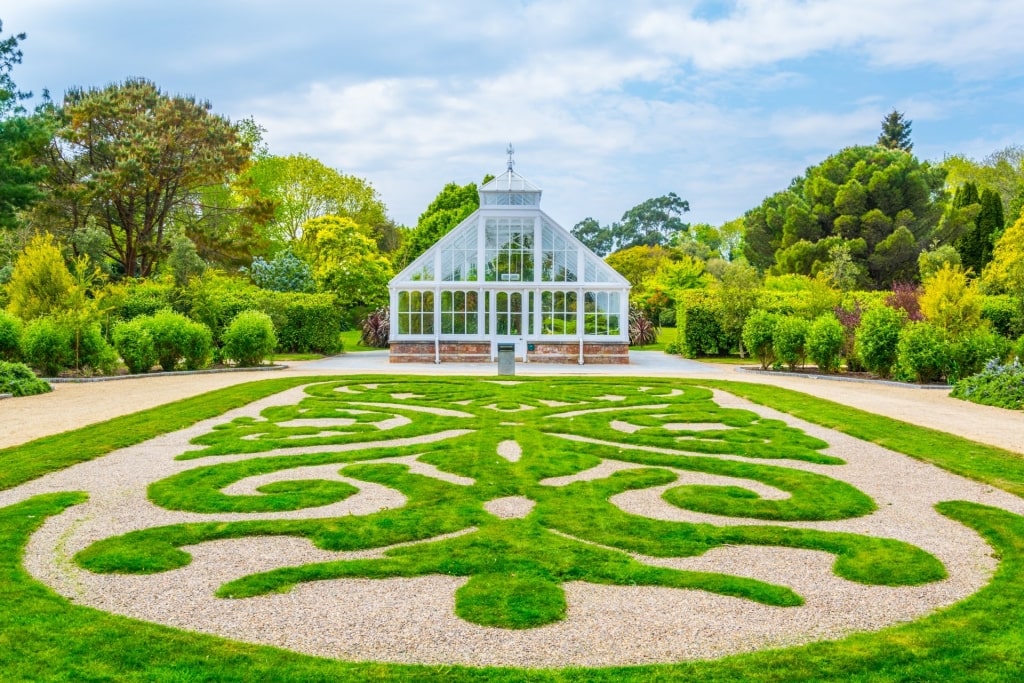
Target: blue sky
{"type": "Point", "coordinates": [606, 103]}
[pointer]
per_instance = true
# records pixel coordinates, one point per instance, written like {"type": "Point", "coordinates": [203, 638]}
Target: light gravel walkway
{"type": "Point", "coordinates": [412, 620]}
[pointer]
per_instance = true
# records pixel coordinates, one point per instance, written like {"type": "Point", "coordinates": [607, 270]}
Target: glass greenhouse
{"type": "Point", "coordinates": [509, 274]}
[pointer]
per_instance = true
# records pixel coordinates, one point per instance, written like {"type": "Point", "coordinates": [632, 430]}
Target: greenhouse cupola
{"type": "Point", "coordinates": [507, 274]}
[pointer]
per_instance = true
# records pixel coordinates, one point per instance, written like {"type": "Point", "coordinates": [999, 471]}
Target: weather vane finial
{"type": "Point", "coordinates": [510, 152]}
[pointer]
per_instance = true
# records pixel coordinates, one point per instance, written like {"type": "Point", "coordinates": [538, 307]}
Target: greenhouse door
{"type": "Point", "coordinates": [510, 320]}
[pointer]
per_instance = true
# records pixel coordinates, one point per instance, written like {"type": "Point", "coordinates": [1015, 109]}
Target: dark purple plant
{"type": "Point", "coordinates": [904, 297]}
{"type": "Point", "coordinates": [376, 329]}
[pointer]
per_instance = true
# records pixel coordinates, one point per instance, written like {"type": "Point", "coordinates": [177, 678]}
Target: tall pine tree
{"type": "Point", "coordinates": [895, 132]}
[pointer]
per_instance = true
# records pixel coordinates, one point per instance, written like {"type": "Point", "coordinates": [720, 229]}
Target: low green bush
{"type": "Point", "coordinates": [167, 329]}
{"type": "Point", "coordinates": [790, 341]}
{"type": "Point", "coordinates": [667, 317]}
{"type": "Point", "coordinates": [758, 336]}
{"type": "Point", "coordinates": [700, 333]}
{"type": "Point", "coordinates": [876, 339]}
{"type": "Point", "coordinates": [215, 300]}
{"type": "Point", "coordinates": [10, 337]}
{"type": "Point", "coordinates": [94, 353]}
{"type": "Point", "coordinates": [311, 323]}
{"type": "Point", "coordinates": [143, 297]}
{"type": "Point", "coordinates": [51, 346]}
{"type": "Point", "coordinates": [18, 379]}
{"type": "Point", "coordinates": [250, 338]}
{"type": "Point", "coordinates": [176, 338]}
{"type": "Point", "coordinates": [825, 342]}
{"type": "Point", "coordinates": [922, 353]}
{"type": "Point", "coordinates": [197, 345]}
{"type": "Point", "coordinates": [135, 344]}
{"type": "Point", "coordinates": [998, 384]}
{"type": "Point", "coordinates": [46, 346]}
{"type": "Point", "coordinates": [1018, 349]}
{"type": "Point", "coordinates": [969, 354]}
{"type": "Point", "coordinates": [1004, 314]}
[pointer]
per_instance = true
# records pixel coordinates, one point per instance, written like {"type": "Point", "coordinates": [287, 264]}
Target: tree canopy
{"type": "Point", "coordinates": [20, 138]}
{"type": "Point", "coordinates": [654, 222]}
{"type": "Point", "coordinates": [129, 159]}
{"type": "Point", "coordinates": [885, 204]}
{"type": "Point", "coordinates": [451, 206]}
{"type": "Point", "coordinates": [303, 188]}
{"type": "Point", "coordinates": [1002, 171]}
{"type": "Point", "coordinates": [346, 261]}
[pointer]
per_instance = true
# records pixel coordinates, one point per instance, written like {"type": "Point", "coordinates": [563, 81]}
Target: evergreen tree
{"type": "Point", "coordinates": [21, 138]}
{"type": "Point", "coordinates": [966, 195]}
{"type": "Point", "coordinates": [976, 243]}
{"type": "Point", "coordinates": [895, 132]}
{"type": "Point", "coordinates": [989, 225]}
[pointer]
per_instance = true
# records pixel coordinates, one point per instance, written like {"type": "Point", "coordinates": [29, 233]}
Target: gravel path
{"type": "Point", "coordinates": [412, 620]}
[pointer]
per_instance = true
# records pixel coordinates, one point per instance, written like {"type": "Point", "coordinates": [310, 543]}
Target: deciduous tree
{"type": "Point", "coordinates": [304, 188]}
{"type": "Point", "coordinates": [346, 261]}
{"type": "Point", "coordinates": [130, 159]}
{"type": "Point", "coordinates": [451, 206]}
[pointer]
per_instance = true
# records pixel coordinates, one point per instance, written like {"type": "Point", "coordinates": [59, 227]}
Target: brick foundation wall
{"type": "Point", "coordinates": [411, 352]}
{"type": "Point", "coordinates": [451, 352]}
{"type": "Point", "coordinates": [594, 353]}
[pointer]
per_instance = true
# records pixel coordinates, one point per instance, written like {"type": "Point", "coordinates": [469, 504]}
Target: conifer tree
{"type": "Point", "coordinates": [989, 225]}
{"type": "Point", "coordinates": [895, 132]}
{"type": "Point", "coordinates": [975, 245]}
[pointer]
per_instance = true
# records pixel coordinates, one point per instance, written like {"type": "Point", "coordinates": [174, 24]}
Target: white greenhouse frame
{"type": "Point", "coordinates": [539, 286]}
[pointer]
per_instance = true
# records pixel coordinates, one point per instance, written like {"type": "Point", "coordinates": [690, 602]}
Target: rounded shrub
{"type": "Point", "coordinates": [699, 331]}
{"type": "Point", "coordinates": [758, 336]}
{"type": "Point", "coordinates": [790, 341]}
{"type": "Point", "coordinates": [825, 342]}
{"type": "Point", "coordinates": [135, 344]}
{"type": "Point", "coordinates": [47, 346]}
{"type": "Point", "coordinates": [197, 345]}
{"type": "Point", "coordinates": [169, 332]}
{"type": "Point", "coordinates": [876, 339]}
{"type": "Point", "coordinates": [94, 352]}
{"type": "Point", "coordinates": [250, 338]}
{"type": "Point", "coordinates": [921, 353]}
{"type": "Point", "coordinates": [18, 379]}
{"type": "Point", "coordinates": [10, 337]}
{"type": "Point", "coordinates": [969, 354]}
{"type": "Point", "coordinates": [1003, 313]}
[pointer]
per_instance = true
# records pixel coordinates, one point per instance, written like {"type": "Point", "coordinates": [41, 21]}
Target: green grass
{"type": "Point", "coordinates": [666, 335]}
{"type": "Point", "coordinates": [728, 360]}
{"type": "Point", "coordinates": [43, 637]}
{"type": "Point", "coordinates": [285, 357]}
{"type": "Point", "coordinates": [351, 341]}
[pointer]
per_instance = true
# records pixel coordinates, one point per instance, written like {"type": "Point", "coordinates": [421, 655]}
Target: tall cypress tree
{"type": "Point", "coordinates": [966, 195]}
{"type": "Point", "coordinates": [895, 132]}
{"type": "Point", "coordinates": [989, 225]}
{"type": "Point", "coordinates": [968, 244]}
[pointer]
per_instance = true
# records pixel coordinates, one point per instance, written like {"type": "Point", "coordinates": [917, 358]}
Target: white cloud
{"type": "Point", "coordinates": [886, 32]}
